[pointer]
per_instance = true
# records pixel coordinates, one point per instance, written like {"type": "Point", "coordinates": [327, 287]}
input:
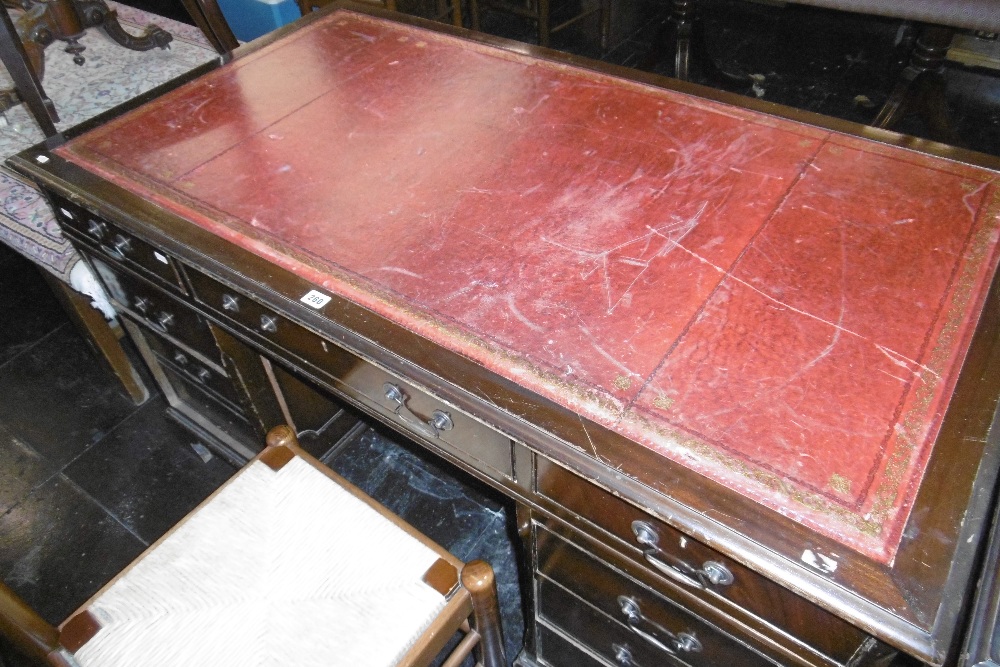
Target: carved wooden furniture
{"type": "Point", "coordinates": [734, 367]}
{"type": "Point", "coordinates": [285, 563]}
{"type": "Point", "coordinates": [43, 21]}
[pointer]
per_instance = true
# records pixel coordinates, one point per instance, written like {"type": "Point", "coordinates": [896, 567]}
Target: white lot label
{"type": "Point", "coordinates": [315, 299]}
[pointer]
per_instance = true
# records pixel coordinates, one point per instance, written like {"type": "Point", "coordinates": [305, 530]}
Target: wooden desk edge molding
{"type": "Point", "coordinates": [739, 353]}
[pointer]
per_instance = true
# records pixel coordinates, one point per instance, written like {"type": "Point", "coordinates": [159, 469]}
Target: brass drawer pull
{"type": "Point", "coordinates": [439, 421]}
{"type": "Point", "coordinates": [165, 320]}
{"type": "Point", "coordinates": [711, 573]}
{"type": "Point", "coordinates": [269, 323]}
{"type": "Point", "coordinates": [623, 656]}
{"type": "Point", "coordinates": [230, 303]}
{"type": "Point", "coordinates": [122, 245]}
{"type": "Point", "coordinates": [682, 642]}
{"type": "Point", "coordinates": [97, 229]}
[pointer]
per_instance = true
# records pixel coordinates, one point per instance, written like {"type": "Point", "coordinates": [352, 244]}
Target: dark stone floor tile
{"type": "Point", "coordinates": [21, 470]}
{"type": "Point", "coordinates": [416, 487]}
{"type": "Point", "coordinates": [58, 399]}
{"type": "Point", "coordinates": [146, 474]}
{"type": "Point", "coordinates": [28, 309]}
{"type": "Point", "coordinates": [58, 547]}
{"type": "Point", "coordinates": [445, 504]}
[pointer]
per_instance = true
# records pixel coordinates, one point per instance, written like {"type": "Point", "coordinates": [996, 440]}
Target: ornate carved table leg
{"type": "Point", "coordinates": [97, 14]}
{"type": "Point", "coordinates": [44, 21]}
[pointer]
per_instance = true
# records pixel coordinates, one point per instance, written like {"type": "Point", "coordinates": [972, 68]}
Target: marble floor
{"type": "Point", "coordinates": [87, 479]}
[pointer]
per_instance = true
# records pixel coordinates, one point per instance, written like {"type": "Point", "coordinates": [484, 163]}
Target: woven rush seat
{"type": "Point", "coordinates": [286, 564]}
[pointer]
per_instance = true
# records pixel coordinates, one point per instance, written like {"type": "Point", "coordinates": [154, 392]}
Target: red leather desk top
{"type": "Point", "coordinates": [780, 308]}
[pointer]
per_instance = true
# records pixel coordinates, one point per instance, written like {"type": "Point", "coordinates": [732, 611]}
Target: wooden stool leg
{"type": "Point", "coordinates": [478, 579]}
{"type": "Point", "coordinates": [25, 629]}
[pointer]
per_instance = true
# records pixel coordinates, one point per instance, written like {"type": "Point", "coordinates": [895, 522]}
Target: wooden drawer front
{"type": "Point", "coordinates": [602, 608]}
{"type": "Point", "coordinates": [117, 243]}
{"type": "Point", "coordinates": [193, 393]}
{"type": "Point", "coordinates": [557, 651]}
{"type": "Point", "coordinates": [211, 377]}
{"type": "Point", "coordinates": [155, 308]}
{"type": "Point", "coordinates": [668, 553]}
{"type": "Point", "coordinates": [399, 401]}
{"type": "Point", "coordinates": [225, 421]}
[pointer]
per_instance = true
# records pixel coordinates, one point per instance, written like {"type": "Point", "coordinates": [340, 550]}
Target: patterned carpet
{"type": "Point", "coordinates": [111, 75]}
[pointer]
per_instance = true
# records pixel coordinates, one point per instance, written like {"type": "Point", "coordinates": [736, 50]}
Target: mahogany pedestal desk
{"type": "Point", "coordinates": [737, 369]}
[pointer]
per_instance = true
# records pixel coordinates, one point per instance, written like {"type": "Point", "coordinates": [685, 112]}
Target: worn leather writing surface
{"type": "Point", "coordinates": [778, 307]}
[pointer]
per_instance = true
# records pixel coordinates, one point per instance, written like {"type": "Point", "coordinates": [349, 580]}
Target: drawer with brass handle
{"type": "Point", "coordinates": [397, 399]}
{"type": "Point", "coordinates": [592, 601]}
{"type": "Point", "coordinates": [154, 307]}
{"type": "Point", "coordinates": [666, 552]}
{"type": "Point", "coordinates": [118, 244]}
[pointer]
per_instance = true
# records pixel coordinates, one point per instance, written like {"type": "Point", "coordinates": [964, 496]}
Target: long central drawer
{"type": "Point", "coordinates": [400, 401]}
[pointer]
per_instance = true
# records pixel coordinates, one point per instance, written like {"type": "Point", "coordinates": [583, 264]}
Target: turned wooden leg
{"type": "Point", "coordinates": [478, 579]}
{"type": "Point", "coordinates": [921, 85]}
{"type": "Point", "coordinates": [682, 43]}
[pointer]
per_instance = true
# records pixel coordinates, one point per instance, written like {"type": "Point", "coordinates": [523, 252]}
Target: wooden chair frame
{"type": "Point", "coordinates": [470, 588]}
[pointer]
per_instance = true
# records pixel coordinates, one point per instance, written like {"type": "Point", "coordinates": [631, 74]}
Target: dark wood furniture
{"type": "Point", "coordinates": [920, 87]}
{"type": "Point", "coordinates": [540, 12]}
{"type": "Point", "coordinates": [28, 87]}
{"type": "Point", "coordinates": [42, 22]}
{"type": "Point", "coordinates": [208, 16]}
{"type": "Point", "coordinates": [732, 362]}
